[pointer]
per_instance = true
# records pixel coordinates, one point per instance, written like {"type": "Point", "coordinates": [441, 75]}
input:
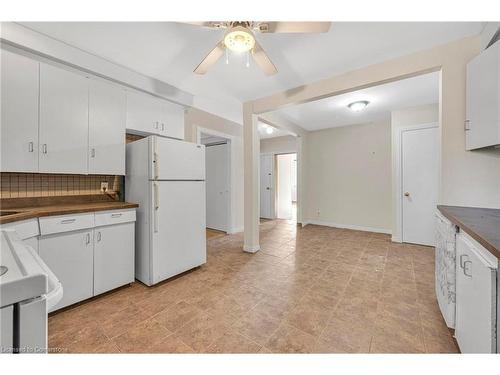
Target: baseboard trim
{"type": "Point", "coordinates": [235, 230]}
{"type": "Point", "coordinates": [251, 249]}
{"type": "Point", "coordinates": [347, 226]}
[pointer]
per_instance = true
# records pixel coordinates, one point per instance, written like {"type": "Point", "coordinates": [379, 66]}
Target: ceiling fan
{"type": "Point", "coordinates": [240, 37]}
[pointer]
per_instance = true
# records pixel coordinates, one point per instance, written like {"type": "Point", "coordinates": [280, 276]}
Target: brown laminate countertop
{"type": "Point", "coordinates": [24, 212]}
{"type": "Point", "coordinates": [482, 224]}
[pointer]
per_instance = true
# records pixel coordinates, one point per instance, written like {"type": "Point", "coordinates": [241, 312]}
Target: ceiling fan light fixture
{"type": "Point", "coordinates": [358, 106]}
{"type": "Point", "coordinates": [239, 39]}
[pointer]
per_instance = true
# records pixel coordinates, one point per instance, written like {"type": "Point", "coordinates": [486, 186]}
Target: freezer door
{"type": "Point", "coordinates": [178, 235]}
{"type": "Point", "coordinates": [176, 160]}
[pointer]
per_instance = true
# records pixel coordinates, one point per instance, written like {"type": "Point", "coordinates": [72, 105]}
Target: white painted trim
{"type": "Point", "coordinates": [347, 226]}
{"type": "Point", "coordinates": [231, 151]}
{"type": "Point", "coordinates": [251, 249]}
{"type": "Point", "coordinates": [397, 196]}
{"type": "Point", "coordinates": [235, 230]}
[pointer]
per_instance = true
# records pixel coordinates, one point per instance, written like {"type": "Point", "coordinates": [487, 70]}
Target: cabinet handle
{"type": "Point", "coordinates": [87, 238]}
{"type": "Point", "coordinates": [30, 147]}
{"type": "Point", "coordinates": [92, 153]}
{"type": "Point", "coordinates": [98, 236]}
{"type": "Point", "coordinates": [465, 268]}
{"type": "Point", "coordinates": [116, 215]}
{"type": "Point", "coordinates": [462, 257]}
{"type": "Point", "coordinates": [44, 148]}
{"type": "Point", "coordinates": [466, 123]}
{"type": "Point", "coordinates": [162, 127]}
{"type": "Point", "coordinates": [155, 125]}
{"type": "Point", "coordinates": [68, 221]}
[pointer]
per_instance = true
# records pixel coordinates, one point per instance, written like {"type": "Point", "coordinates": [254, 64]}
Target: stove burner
{"type": "Point", "coordinates": [3, 270]}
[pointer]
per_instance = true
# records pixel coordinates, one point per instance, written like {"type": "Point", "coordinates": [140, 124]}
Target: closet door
{"type": "Point", "coordinates": [63, 121]}
{"type": "Point", "coordinates": [19, 109]}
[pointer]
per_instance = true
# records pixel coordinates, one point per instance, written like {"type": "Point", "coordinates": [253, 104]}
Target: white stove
{"type": "Point", "coordinates": [27, 289]}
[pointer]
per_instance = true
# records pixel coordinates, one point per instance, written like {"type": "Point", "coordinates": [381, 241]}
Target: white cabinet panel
{"type": "Point", "coordinates": [107, 116]}
{"type": "Point", "coordinates": [171, 119]}
{"type": "Point", "coordinates": [142, 114]}
{"type": "Point", "coordinates": [70, 256]}
{"type": "Point", "coordinates": [63, 121]}
{"type": "Point", "coordinates": [483, 99]}
{"type": "Point", "coordinates": [19, 113]}
{"type": "Point", "coordinates": [7, 329]}
{"type": "Point", "coordinates": [147, 114]}
{"type": "Point", "coordinates": [475, 327]}
{"type": "Point", "coordinates": [113, 256]}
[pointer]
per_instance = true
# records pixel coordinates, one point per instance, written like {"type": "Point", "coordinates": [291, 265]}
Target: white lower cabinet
{"type": "Point", "coordinates": [70, 256]}
{"type": "Point", "coordinates": [89, 253]}
{"type": "Point", "coordinates": [113, 256]}
{"type": "Point", "coordinates": [476, 288]}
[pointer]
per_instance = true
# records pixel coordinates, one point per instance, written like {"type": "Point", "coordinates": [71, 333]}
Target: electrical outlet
{"type": "Point", "coordinates": [318, 212]}
{"type": "Point", "coordinates": [104, 187]}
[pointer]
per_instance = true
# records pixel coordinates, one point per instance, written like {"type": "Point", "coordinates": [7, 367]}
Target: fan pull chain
{"type": "Point", "coordinates": [227, 57]}
{"type": "Point", "coordinates": [248, 59]}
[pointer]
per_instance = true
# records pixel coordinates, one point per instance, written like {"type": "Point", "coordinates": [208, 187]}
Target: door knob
{"type": "Point", "coordinates": [267, 188]}
{"type": "Point", "coordinates": [407, 194]}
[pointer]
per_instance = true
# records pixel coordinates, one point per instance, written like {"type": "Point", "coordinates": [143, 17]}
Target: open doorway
{"type": "Point", "coordinates": [278, 173]}
{"type": "Point", "coordinates": [286, 183]}
{"type": "Point", "coordinates": [218, 180]}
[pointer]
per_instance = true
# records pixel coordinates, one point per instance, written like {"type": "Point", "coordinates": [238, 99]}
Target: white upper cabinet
{"type": "Point", "coordinates": [19, 108]}
{"type": "Point", "coordinates": [147, 114]}
{"type": "Point", "coordinates": [107, 115]}
{"type": "Point", "coordinates": [64, 98]}
{"type": "Point", "coordinates": [482, 125]}
{"type": "Point", "coordinates": [171, 119]}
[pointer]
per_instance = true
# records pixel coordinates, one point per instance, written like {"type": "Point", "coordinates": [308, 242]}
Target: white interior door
{"type": "Point", "coordinates": [284, 163]}
{"type": "Point", "coordinates": [294, 178]}
{"type": "Point", "coordinates": [179, 239]}
{"type": "Point", "coordinates": [267, 186]}
{"type": "Point", "coordinates": [217, 184]}
{"type": "Point", "coordinates": [419, 160]}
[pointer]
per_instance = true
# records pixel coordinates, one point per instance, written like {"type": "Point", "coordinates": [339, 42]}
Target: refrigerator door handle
{"type": "Point", "coordinates": [156, 206]}
{"type": "Point", "coordinates": [155, 158]}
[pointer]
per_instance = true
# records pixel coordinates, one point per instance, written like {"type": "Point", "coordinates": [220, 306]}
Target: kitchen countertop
{"type": "Point", "coordinates": [61, 208]}
{"type": "Point", "coordinates": [482, 224]}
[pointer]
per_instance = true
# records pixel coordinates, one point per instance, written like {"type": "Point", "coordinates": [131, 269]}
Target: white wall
{"type": "Point", "coordinates": [196, 120]}
{"type": "Point", "coordinates": [348, 174]}
{"type": "Point", "coordinates": [278, 145]}
{"type": "Point", "coordinates": [284, 186]}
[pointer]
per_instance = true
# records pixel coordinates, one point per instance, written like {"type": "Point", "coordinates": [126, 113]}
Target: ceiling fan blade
{"type": "Point", "coordinates": [294, 27]}
{"type": "Point", "coordinates": [211, 24]}
{"type": "Point", "coordinates": [262, 60]}
{"type": "Point", "coordinates": [210, 59]}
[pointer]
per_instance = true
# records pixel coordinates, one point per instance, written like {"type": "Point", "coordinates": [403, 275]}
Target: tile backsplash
{"type": "Point", "coordinates": [26, 185]}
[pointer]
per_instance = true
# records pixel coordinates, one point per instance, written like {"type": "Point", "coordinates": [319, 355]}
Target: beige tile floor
{"type": "Point", "coordinates": [309, 290]}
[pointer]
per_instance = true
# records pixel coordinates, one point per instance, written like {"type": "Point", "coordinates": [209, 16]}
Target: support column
{"type": "Point", "coordinates": [251, 149]}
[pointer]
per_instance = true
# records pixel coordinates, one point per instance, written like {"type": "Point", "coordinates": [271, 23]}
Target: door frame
{"type": "Point", "coordinates": [397, 161]}
{"type": "Point", "coordinates": [230, 228]}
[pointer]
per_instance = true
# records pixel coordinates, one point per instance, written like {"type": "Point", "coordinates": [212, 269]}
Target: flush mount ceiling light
{"type": "Point", "coordinates": [239, 39]}
{"type": "Point", "coordinates": [269, 130]}
{"type": "Point", "coordinates": [358, 106]}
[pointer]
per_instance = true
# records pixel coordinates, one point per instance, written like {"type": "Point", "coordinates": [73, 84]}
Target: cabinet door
{"type": "Point", "coordinates": [70, 256]}
{"type": "Point", "coordinates": [107, 114]}
{"type": "Point", "coordinates": [483, 99]}
{"type": "Point", "coordinates": [475, 300]}
{"type": "Point", "coordinates": [63, 121]}
{"type": "Point", "coordinates": [113, 256]}
{"type": "Point", "coordinates": [19, 109]}
{"type": "Point", "coordinates": [171, 118]}
{"type": "Point", "coordinates": [142, 114]}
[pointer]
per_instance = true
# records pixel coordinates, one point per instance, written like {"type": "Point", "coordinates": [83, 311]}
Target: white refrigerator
{"type": "Point", "coordinates": [166, 177]}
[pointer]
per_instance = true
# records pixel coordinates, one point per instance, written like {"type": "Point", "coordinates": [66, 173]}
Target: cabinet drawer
{"type": "Point", "coordinates": [65, 223]}
{"type": "Point", "coordinates": [114, 217]}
